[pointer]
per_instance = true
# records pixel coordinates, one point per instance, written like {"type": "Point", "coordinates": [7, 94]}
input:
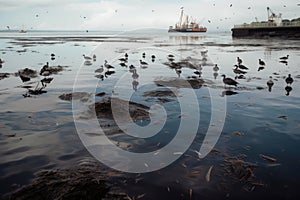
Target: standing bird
{"type": "Point", "coordinates": [143, 63]}
{"type": "Point", "coordinates": [239, 61]}
{"type": "Point", "coordinates": [86, 57]}
{"type": "Point", "coordinates": [261, 63]}
{"type": "Point", "coordinates": [126, 55]}
{"type": "Point", "coordinates": [99, 70]}
{"type": "Point", "coordinates": [216, 68]}
{"type": "Point", "coordinates": [108, 66]}
{"type": "Point", "coordinates": [45, 69]}
{"type": "Point", "coordinates": [289, 80]}
{"type": "Point", "coordinates": [1, 62]}
{"type": "Point", "coordinates": [284, 57]}
{"type": "Point", "coordinates": [229, 81]}
{"type": "Point", "coordinates": [144, 55]}
{"type": "Point", "coordinates": [270, 83]}
{"type": "Point", "coordinates": [153, 58]}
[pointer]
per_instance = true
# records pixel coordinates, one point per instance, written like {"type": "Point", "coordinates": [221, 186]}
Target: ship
{"type": "Point", "coordinates": [186, 24]}
{"type": "Point", "coordinates": [275, 26]}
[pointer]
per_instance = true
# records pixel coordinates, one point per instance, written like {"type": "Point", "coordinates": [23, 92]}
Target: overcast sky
{"type": "Point", "coordinates": [132, 14]}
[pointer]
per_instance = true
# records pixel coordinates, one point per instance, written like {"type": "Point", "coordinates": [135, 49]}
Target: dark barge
{"type": "Point", "coordinates": [274, 27]}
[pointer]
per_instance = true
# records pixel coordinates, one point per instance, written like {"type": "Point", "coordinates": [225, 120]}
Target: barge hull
{"type": "Point", "coordinates": [262, 32]}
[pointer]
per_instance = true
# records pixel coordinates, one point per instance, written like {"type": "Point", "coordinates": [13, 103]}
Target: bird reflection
{"type": "Point", "coordinates": [135, 74]}
{"type": "Point", "coordinates": [289, 80]}
{"type": "Point", "coordinates": [241, 76]}
{"type": "Point", "coordinates": [100, 76]}
{"type": "Point", "coordinates": [238, 71]}
{"type": "Point", "coordinates": [178, 72]}
{"type": "Point", "coordinates": [270, 84]}
{"type": "Point", "coordinates": [228, 93]}
{"type": "Point", "coordinates": [153, 58]}
{"type": "Point", "coordinates": [135, 83]}
{"type": "Point", "coordinates": [108, 73]}
{"type": "Point", "coordinates": [288, 89]}
{"type": "Point", "coordinates": [135, 77]}
{"type": "Point", "coordinates": [46, 81]}
{"type": "Point", "coordinates": [284, 62]}
{"type": "Point", "coordinates": [215, 75]}
{"type": "Point", "coordinates": [36, 91]}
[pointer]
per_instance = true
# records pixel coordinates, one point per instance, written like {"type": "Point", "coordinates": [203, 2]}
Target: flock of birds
{"type": "Point", "coordinates": [239, 69]}
{"type": "Point", "coordinates": [107, 69]}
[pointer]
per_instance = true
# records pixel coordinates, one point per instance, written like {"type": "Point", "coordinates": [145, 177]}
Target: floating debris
{"type": "Point", "coordinates": [238, 133]}
{"type": "Point", "coordinates": [283, 117]}
{"type": "Point", "coordinates": [268, 158]}
{"type": "Point", "coordinates": [207, 176]}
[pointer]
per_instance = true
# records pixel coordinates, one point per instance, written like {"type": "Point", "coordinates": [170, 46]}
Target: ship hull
{"type": "Point", "coordinates": [265, 32]}
{"type": "Point", "coordinates": [189, 30]}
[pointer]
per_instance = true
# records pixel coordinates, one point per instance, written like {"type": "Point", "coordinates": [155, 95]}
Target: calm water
{"type": "Point", "coordinates": [38, 132]}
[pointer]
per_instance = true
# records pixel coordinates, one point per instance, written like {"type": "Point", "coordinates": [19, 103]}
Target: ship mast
{"type": "Point", "coordinates": [181, 15]}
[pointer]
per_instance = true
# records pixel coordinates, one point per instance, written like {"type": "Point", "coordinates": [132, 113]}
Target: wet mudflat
{"type": "Point", "coordinates": [256, 155]}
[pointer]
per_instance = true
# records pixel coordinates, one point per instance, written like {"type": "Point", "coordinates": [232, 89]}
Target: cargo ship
{"type": "Point", "coordinates": [275, 26]}
{"type": "Point", "coordinates": [186, 24]}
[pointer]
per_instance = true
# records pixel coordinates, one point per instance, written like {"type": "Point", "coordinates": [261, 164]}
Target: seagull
{"type": "Point", "coordinates": [99, 70]}
{"type": "Point", "coordinates": [86, 57]}
{"type": "Point", "coordinates": [260, 62]}
{"type": "Point", "coordinates": [239, 60]}
{"type": "Point", "coordinates": [270, 83]}
{"type": "Point", "coordinates": [143, 63]}
{"type": "Point", "coordinates": [44, 69]}
{"type": "Point", "coordinates": [216, 68]}
{"type": "Point", "coordinates": [108, 66]}
{"type": "Point", "coordinates": [229, 81]}
{"type": "Point", "coordinates": [131, 67]}
{"type": "Point", "coordinates": [289, 79]}
{"type": "Point", "coordinates": [284, 57]}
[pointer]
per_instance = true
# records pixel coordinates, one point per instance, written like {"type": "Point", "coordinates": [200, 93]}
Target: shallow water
{"type": "Point", "coordinates": [38, 132]}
